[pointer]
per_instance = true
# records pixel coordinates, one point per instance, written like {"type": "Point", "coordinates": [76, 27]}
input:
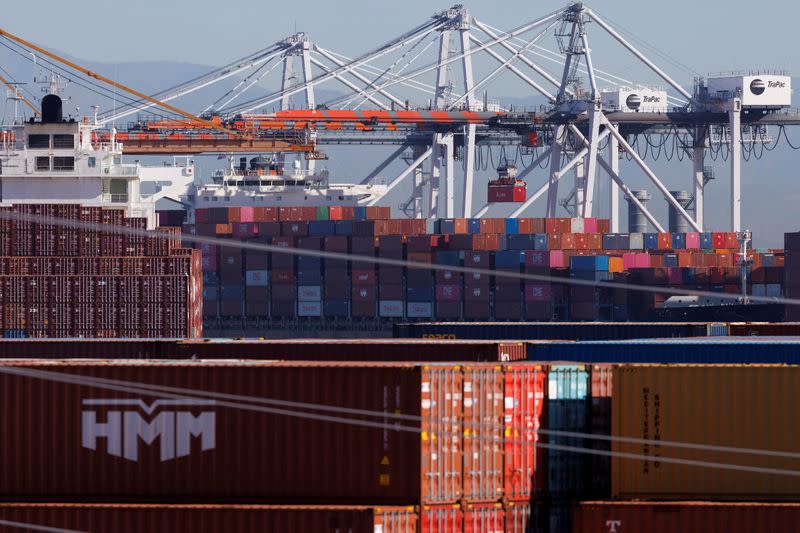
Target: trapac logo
{"type": "Point", "coordinates": [613, 526]}
{"type": "Point", "coordinates": [634, 101]}
{"type": "Point", "coordinates": [174, 426]}
{"type": "Point", "coordinates": [757, 86]}
{"type": "Point", "coordinates": [651, 99]}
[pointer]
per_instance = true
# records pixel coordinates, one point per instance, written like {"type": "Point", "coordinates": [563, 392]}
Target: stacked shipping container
{"type": "Point", "coordinates": [62, 281]}
{"type": "Point", "coordinates": [335, 292]}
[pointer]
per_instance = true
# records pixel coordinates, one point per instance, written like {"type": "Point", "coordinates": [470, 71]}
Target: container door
{"type": "Point", "coordinates": [484, 518]}
{"type": "Point", "coordinates": [441, 519]}
{"type": "Point", "coordinates": [483, 424]}
{"type": "Point", "coordinates": [441, 409]}
{"type": "Point", "coordinates": [523, 408]}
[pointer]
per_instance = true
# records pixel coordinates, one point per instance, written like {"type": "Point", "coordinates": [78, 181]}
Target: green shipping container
{"type": "Point", "coordinates": [323, 212]}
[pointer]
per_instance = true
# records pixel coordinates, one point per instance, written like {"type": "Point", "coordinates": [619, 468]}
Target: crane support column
{"type": "Point", "coordinates": [698, 173]}
{"type": "Point", "coordinates": [555, 165]}
{"type": "Point", "coordinates": [586, 206]}
{"type": "Point", "coordinates": [735, 127]}
{"type": "Point", "coordinates": [469, 129]}
{"type": "Point", "coordinates": [613, 161]}
{"type": "Point", "coordinates": [311, 103]}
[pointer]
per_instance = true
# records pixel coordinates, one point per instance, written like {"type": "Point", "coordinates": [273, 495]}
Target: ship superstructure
{"type": "Point", "coordinates": [57, 160]}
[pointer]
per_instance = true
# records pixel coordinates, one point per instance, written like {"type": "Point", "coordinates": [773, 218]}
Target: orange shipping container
{"type": "Point", "coordinates": [483, 518]}
{"type": "Point", "coordinates": [138, 518]}
{"type": "Point", "coordinates": [664, 241]}
{"type": "Point", "coordinates": [615, 264]}
{"type": "Point", "coordinates": [685, 517]}
{"type": "Point", "coordinates": [483, 433]}
{"type": "Point", "coordinates": [461, 226]}
{"type": "Point", "coordinates": [746, 407]}
{"type": "Point", "coordinates": [224, 229]}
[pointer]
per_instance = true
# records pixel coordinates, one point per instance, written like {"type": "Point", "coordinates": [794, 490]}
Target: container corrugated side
{"type": "Point", "coordinates": [524, 460]}
{"type": "Point", "coordinates": [753, 407]}
{"type": "Point", "coordinates": [685, 517]}
{"type": "Point", "coordinates": [132, 518]}
{"type": "Point", "coordinates": [551, 330]}
{"type": "Point", "coordinates": [77, 440]}
{"type": "Point", "coordinates": [483, 432]}
{"type": "Point", "coordinates": [567, 409]}
{"type": "Point", "coordinates": [732, 350]}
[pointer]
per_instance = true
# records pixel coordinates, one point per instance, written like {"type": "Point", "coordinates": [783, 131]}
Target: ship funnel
{"type": "Point", "coordinates": [51, 109]}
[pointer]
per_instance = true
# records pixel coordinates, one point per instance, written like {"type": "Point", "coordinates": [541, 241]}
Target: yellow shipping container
{"type": "Point", "coordinates": [752, 407]}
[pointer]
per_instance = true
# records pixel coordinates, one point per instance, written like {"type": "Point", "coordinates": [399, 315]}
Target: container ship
{"type": "Point", "coordinates": [64, 272]}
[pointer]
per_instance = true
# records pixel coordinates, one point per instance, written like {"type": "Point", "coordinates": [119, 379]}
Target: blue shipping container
{"type": "Point", "coordinates": [231, 293]}
{"type": "Point", "coordinates": [670, 260]}
{"type": "Point", "coordinates": [589, 263]}
{"type": "Point", "coordinates": [447, 258]}
{"type": "Point", "coordinates": [512, 226]}
{"type": "Point", "coordinates": [321, 228]}
{"type": "Point", "coordinates": [420, 293]}
{"type": "Point", "coordinates": [520, 242]}
{"type": "Point", "coordinates": [711, 350]}
{"type": "Point", "coordinates": [610, 241]}
{"type": "Point", "coordinates": [567, 407]}
{"type": "Point", "coordinates": [540, 240]}
{"type": "Point", "coordinates": [678, 241]}
{"type": "Point", "coordinates": [591, 275]}
{"type": "Point", "coordinates": [444, 226]}
{"type": "Point", "coordinates": [336, 308]}
{"type": "Point", "coordinates": [344, 227]}
{"type": "Point", "coordinates": [360, 213]}
{"type": "Point", "coordinates": [651, 241]}
{"type": "Point", "coordinates": [508, 259]}
{"type": "Point", "coordinates": [623, 241]}
{"type": "Point", "coordinates": [474, 226]}
{"type": "Point", "coordinates": [706, 241]}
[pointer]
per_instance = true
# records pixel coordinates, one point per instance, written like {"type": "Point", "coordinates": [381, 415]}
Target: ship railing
{"type": "Point", "coordinates": [115, 198]}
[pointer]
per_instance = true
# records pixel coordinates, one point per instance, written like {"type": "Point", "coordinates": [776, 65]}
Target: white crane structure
{"type": "Point", "coordinates": [445, 66]}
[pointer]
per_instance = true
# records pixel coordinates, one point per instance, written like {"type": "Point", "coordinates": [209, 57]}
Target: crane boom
{"type": "Point", "coordinates": [113, 83]}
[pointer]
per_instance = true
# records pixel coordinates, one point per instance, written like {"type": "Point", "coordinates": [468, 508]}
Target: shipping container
{"type": "Point", "coordinates": [553, 331]}
{"type": "Point", "coordinates": [685, 517]}
{"type": "Point", "coordinates": [743, 408]}
{"type": "Point", "coordinates": [241, 450]}
{"type": "Point", "coordinates": [191, 518]}
{"type": "Point", "coordinates": [713, 350]}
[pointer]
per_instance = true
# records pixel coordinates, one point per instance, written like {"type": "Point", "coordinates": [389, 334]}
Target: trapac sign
{"type": "Point", "coordinates": [757, 91]}
{"type": "Point", "coordinates": [174, 426]}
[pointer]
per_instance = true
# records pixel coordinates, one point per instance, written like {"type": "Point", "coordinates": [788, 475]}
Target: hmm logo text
{"type": "Point", "coordinates": [174, 426]}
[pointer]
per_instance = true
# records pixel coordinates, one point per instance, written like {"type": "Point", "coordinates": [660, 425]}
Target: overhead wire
{"type": "Point", "coordinates": [258, 406]}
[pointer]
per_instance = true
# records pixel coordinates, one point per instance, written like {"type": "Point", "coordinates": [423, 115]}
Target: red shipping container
{"type": "Point", "coordinates": [664, 241]}
{"type": "Point", "coordinates": [363, 277]}
{"type": "Point", "coordinates": [448, 292]}
{"type": "Point", "coordinates": [524, 473]}
{"type": "Point", "coordinates": [441, 519]}
{"type": "Point", "coordinates": [518, 517]}
{"type": "Point", "coordinates": [538, 292]}
{"type": "Point", "coordinates": [718, 240]}
{"type": "Point", "coordinates": [483, 432]}
{"type": "Point", "coordinates": [484, 518]}
{"type": "Point", "coordinates": [685, 517]}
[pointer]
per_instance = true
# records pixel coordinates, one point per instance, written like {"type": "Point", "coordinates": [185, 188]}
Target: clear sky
{"type": "Point", "coordinates": [708, 35]}
{"type": "Point", "coordinates": [688, 38]}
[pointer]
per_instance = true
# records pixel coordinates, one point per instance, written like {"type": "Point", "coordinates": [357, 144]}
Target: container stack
{"type": "Point", "coordinates": [59, 281]}
{"type": "Point", "coordinates": [360, 294]}
{"type": "Point", "coordinates": [792, 273]}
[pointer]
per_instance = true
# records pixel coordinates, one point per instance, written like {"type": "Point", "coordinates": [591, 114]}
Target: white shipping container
{"type": "Point", "coordinates": [390, 308]}
{"type": "Point", "coordinates": [420, 309]}
{"type": "Point", "coordinates": [309, 293]}
{"type": "Point", "coordinates": [765, 90]}
{"type": "Point", "coordinates": [636, 241]}
{"type": "Point", "coordinates": [309, 308]}
{"type": "Point", "coordinates": [773, 290]}
{"type": "Point", "coordinates": [257, 278]}
{"type": "Point", "coordinates": [576, 225]}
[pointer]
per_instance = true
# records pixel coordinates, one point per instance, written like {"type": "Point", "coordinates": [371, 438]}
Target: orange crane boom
{"type": "Point", "coordinates": [113, 83]}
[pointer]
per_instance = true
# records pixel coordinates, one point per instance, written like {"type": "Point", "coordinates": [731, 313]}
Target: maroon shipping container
{"type": "Point", "coordinates": [212, 447]}
{"type": "Point", "coordinates": [138, 518]}
{"type": "Point", "coordinates": [685, 517]}
{"type": "Point", "coordinates": [327, 350]}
